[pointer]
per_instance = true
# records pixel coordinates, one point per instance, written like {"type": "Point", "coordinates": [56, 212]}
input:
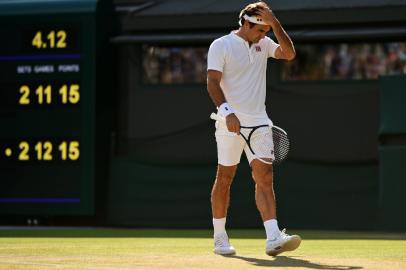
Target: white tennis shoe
{"type": "Point", "coordinates": [222, 245]}
{"type": "Point", "coordinates": [283, 242]}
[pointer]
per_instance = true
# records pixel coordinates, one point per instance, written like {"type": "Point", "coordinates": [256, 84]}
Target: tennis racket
{"type": "Point", "coordinates": [268, 144]}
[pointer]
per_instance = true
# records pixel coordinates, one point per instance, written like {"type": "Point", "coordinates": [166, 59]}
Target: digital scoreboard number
{"type": "Point", "coordinates": [53, 40]}
{"type": "Point", "coordinates": [46, 117]}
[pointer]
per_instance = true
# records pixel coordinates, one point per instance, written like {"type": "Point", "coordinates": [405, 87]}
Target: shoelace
{"type": "Point", "coordinates": [221, 241]}
{"type": "Point", "coordinates": [284, 234]}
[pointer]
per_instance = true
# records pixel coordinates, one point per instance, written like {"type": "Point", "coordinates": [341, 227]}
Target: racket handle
{"type": "Point", "coordinates": [217, 117]}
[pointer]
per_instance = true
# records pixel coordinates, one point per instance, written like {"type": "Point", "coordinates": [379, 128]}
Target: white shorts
{"type": "Point", "coordinates": [230, 146]}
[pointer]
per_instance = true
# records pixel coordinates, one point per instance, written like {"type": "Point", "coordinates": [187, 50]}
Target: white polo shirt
{"type": "Point", "coordinates": [244, 74]}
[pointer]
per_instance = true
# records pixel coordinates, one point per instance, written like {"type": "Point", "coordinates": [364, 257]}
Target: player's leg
{"type": "Point", "coordinates": [220, 200]}
{"type": "Point", "coordinates": [264, 194]}
{"type": "Point", "coordinates": [277, 241]}
{"type": "Point", "coordinates": [220, 194]}
{"type": "Point", "coordinates": [229, 150]}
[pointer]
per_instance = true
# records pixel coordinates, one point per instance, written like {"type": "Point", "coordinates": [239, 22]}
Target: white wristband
{"type": "Point", "coordinates": [225, 109]}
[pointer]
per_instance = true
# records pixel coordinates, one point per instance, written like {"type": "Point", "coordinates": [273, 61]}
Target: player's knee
{"type": "Point", "coordinates": [223, 181]}
{"type": "Point", "coordinates": [263, 179]}
{"type": "Point", "coordinates": [225, 176]}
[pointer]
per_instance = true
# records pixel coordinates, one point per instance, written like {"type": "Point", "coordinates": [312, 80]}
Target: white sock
{"type": "Point", "coordinates": [271, 228]}
{"type": "Point", "coordinates": [219, 225]}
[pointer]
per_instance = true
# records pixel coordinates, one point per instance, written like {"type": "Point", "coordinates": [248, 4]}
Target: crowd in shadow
{"type": "Point", "coordinates": [366, 61]}
{"type": "Point", "coordinates": [346, 61]}
{"type": "Point", "coordinates": [174, 65]}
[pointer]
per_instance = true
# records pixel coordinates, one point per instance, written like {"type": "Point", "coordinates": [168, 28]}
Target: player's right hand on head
{"type": "Point", "coordinates": [233, 124]}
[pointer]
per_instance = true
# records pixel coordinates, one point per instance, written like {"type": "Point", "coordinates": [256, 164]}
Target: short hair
{"type": "Point", "coordinates": [250, 10]}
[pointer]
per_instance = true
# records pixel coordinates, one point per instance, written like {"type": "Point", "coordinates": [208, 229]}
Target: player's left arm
{"type": "Point", "coordinates": [286, 50]}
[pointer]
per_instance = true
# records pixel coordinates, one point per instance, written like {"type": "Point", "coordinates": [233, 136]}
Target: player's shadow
{"type": "Point", "coordinates": [283, 261]}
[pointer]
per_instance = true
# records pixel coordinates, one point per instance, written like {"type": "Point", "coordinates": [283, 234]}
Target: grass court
{"type": "Point", "coordinates": [90, 248]}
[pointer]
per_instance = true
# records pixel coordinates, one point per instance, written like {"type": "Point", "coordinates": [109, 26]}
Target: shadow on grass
{"type": "Point", "coordinates": [186, 233]}
{"type": "Point", "coordinates": [283, 261]}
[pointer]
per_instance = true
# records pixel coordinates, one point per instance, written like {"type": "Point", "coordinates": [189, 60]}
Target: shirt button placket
{"type": "Point", "coordinates": [249, 52]}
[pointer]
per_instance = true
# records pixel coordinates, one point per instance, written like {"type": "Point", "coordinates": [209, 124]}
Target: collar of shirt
{"type": "Point", "coordinates": [246, 44]}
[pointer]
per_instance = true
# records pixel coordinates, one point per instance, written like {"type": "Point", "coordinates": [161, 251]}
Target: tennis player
{"type": "Point", "coordinates": [236, 82]}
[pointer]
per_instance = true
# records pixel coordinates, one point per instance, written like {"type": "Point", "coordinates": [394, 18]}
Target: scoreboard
{"type": "Point", "coordinates": [48, 108]}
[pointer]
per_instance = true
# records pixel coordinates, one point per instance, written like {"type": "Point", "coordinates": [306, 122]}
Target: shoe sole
{"type": "Point", "coordinates": [293, 244]}
{"type": "Point", "coordinates": [225, 253]}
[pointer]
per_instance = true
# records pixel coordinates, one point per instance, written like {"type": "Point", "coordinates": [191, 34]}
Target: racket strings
{"type": "Point", "coordinates": [262, 144]}
{"type": "Point", "coordinates": [281, 145]}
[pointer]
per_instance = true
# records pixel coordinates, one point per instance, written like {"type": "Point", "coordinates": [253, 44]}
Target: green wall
{"type": "Point", "coordinates": [308, 196]}
{"type": "Point", "coordinates": [392, 152]}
